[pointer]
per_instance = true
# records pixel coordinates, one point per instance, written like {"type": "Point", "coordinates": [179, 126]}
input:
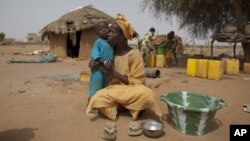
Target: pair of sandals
{"type": "Point", "coordinates": [110, 132]}
{"type": "Point", "coordinates": [134, 129]}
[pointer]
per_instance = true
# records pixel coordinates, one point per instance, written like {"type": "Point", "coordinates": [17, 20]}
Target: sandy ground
{"type": "Point", "coordinates": [47, 102]}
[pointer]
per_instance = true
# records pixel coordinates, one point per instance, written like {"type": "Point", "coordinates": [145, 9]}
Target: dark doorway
{"type": "Point", "coordinates": [73, 50]}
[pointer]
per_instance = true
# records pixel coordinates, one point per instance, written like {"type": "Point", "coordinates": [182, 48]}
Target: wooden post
{"type": "Point", "coordinates": [234, 50]}
{"type": "Point", "coordinates": [212, 46]}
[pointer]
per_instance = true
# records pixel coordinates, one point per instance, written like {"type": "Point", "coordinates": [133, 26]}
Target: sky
{"type": "Point", "coordinates": [19, 17]}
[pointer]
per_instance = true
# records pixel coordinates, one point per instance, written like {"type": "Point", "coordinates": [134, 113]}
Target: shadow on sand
{"type": "Point", "coordinates": [25, 134]}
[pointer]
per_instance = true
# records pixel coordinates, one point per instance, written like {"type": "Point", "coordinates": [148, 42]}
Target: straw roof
{"type": "Point", "coordinates": [80, 19]}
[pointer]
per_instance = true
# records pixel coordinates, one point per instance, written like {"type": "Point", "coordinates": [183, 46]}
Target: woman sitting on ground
{"type": "Point", "coordinates": [127, 87]}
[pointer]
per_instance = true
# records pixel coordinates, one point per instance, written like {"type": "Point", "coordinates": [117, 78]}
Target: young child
{"type": "Point", "coordinates": [102, 53]}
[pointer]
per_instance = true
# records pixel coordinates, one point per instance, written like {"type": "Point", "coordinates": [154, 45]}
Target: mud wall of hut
{"type": "Point", "coordinates": [58, 44]}
{"type": "Point", "coordinates": [88, 38]}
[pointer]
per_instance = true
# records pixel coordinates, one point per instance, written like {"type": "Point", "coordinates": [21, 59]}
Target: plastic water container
{"type": "Point", "coordinates": [152, 73]}
{"type": "Point", "coordinates": [214, 70]}
{"type": "Point", "coordinates": [191, 67]}
{"type": "Point", "coordinates": [84, 76]}
{"type": "Point", "coordinates": [160, 61]}
{"type": "Point", "coordinates": [191, 113]}
{"type": "Point", "coordinates": [151, 60]}
{"type": "Point", "coordinates": [232, 66]}
{"type": "Point", "coordinates": [202, 68]}
{"type": "Point", "coordinates": [246, 67]}
{"type": "Point", "coordinates": [168, 58]}
{"type": "Point", "coordinates": [160, 50]}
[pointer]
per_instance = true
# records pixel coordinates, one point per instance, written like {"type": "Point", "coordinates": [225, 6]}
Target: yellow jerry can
{"type": "Point", "coordinates": [160, 61]}
{"type": "Point", "coordinates": [84, 76]}
{"type": "Point", "coordinates": [202, 68]}
{"type": "Point", "coordinates": [151, 60]}
{"type": "Point", "coordinates": [215, 69]}
{"type": "Point", "coordinates": [246, 67]}
{"type": "Point", "coordinates": [191, 67]}
{"type": "Point", "coordinates": [232, 66]}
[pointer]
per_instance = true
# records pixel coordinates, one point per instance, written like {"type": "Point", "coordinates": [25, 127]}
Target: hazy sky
{"type": "Point", "coordinates": [19, 17]}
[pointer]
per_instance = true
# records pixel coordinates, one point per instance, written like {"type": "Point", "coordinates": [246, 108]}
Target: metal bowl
{"type": "Point", "coordinates": [152, 128]}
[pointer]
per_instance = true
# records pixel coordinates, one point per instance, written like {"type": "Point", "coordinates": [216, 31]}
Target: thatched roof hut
{"type": "Point", "coordinates": [73, 34]}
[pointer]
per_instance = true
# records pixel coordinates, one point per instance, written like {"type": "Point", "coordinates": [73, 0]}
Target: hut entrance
{"type": "Point", "coordinates": [73, 44]}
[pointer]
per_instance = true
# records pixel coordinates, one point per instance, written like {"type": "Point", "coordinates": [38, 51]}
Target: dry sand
{"type": "Point", "coordinates": [46, 102]}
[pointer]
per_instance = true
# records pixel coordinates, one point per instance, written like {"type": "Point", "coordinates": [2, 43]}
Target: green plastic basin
{"type": "Point", "coordinates": [191, 113]}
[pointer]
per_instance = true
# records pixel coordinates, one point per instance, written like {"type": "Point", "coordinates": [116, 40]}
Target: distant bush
{"type": "Point", "coordinates": [2, 36]}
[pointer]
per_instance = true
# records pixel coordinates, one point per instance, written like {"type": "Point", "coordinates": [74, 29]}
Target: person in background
{"type": "Point", "coordinates": [169, 48]}
{"type": "Point", "coordinates": [102, 53]}
{"type": "Point", "coordinates": [167, 45]}
{"type": "Point", "coordinates": [174, 46]}
{"type": "Point", "coordinates": [147, 46]}
{"type": "Point", "coordinates": [127, 88]}
{"type": "Point", "coordinates": [223, 57]}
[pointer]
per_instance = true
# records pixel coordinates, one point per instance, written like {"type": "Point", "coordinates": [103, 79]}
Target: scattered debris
{"type": "Point", "coordinates": [21, 91]}
{"type": "Point", "coordinates": [246, 108]}
{"type": "Point", "coordinates": [43, 59]}
{"type": "Point", "coordinates": [246, 78]}
{"type": "Point", "coordinates": [185, 81]}
{"type": "Point", "coordinates": [36, 52]}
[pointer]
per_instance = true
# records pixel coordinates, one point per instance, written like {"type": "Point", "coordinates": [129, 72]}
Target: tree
{"type": "Point", "coordinates": [2, 36]}
{"type": "Point", "coordinates": [202, 17]}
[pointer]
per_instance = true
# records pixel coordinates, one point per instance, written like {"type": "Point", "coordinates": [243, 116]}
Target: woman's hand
{"type": "Point", "coordinates": [108, 64]}
{"type": "Point", "coordinates": [108, 68]}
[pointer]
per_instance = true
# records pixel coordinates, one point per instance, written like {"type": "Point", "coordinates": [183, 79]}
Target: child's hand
{"type": "Point", "coordinates": [93, 64]}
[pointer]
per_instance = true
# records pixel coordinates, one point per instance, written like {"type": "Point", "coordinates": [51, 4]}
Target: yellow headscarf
{"type": "Point", "coordinates": [127, 28]}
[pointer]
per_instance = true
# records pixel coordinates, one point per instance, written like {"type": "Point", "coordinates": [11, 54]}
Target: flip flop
{"type": "Point", "coordinates": [109, 137]}
{"type": "Point", "coordinates": [246, 108]}
{"type": "Point", "coordinates": [134, 128]}
{"type": "Point", "coordinates": [109, 131]}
